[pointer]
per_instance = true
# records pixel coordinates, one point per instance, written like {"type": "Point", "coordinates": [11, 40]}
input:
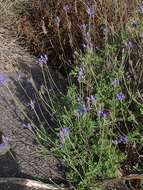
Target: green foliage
{"type": "Point", "coordinates": [88, 151]}
{"type": "Point", "coordinates": [98, 121]}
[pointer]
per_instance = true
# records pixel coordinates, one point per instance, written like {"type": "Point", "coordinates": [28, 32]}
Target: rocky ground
{"type": "Point", "coordinates": [23, 160]}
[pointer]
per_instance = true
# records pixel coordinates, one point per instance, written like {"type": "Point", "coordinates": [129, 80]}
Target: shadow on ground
{"type": "Point", "coordinates": [26, 161]}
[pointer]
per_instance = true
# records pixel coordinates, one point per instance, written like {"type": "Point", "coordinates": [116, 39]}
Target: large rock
{"type": "Point", "coordinates": [24, 160]}
{"type": "Point", "coordinates": [22, 141]}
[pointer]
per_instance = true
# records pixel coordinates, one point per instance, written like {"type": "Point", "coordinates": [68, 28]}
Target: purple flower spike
{"type": "Point", "coordinates": [42, 60]}
{"type": "Point", "coordinates": [125, 139]}
{"type": "Point", "coordinates": [102, 114]}
{"type": "Point", "coordinates": [134, 23]}
{"type": "Point", "coordinates": [78, 99]}
{"type": "Point", "coordinates": [128, 45]}
{"type": "Point", "coordinates": [67, 8]}
{"type": "Point", "coordinates": [84, 46]}
{"type": "Point", "coordinates": [140, 9]}
{"type": "Point", "coordinates": [57, 21]}
{"type": "Point", "coordinates": [81, 110]}
{"type": "Point", "coordinates": [4, 145]}
{"type": "Point", "coordinates": [2, 79]}
{"type": "Point", "coordinates": [120, 139]}
{"type": "Point", "coordinates": [120, 96]}
{"type": "Point", "coordinates": [27, 126]}
{"type": "Point", "coordinates": [63, 133]}
{"type": "Point", "coordinates": [103, 30]}
{"type": "Point", "coordinates": [90, 11]}
{"type": "Point", "coordinates": [80, 74]}
{"type": "Point", "coordinates": [4, 141]}
{"type": "Point", "coordinates": [84, 27]}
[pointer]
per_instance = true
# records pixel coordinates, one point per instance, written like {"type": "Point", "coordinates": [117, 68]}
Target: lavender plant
{"type": "Point", "coordinates": [99, 116]}
{"type": "Point", "coordinates": [98, 113]}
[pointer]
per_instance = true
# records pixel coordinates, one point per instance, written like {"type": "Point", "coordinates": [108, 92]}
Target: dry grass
{"type": "Point", "coordinates": [41, 32]}
{"type": "Point", "coordinates": [36, 20]}
{"type": "Point", "coordinates": [11, 53]}
{"type": "Point", "coordinates": [9, 12]}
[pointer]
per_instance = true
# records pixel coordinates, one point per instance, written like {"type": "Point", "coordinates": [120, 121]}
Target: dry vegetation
{"type": "Point", "coordinates": [11, 53]}
{"type": "Point", "coordinates": [41, 30]}
{"type": "Point", "coordinates": [36, 21]}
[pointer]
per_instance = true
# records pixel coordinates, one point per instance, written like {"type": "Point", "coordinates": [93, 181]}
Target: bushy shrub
{"type": "Point", "coordinates": [98, 121]}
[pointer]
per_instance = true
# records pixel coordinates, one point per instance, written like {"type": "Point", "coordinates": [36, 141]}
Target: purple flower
{"type": "Point", "coordinates": [27, 126]}
{"type": "Point", "coordinates": [63, 133]}
{"type": "Point", "coordinates": [128, 45]}
{"type": "Point", "coordinates": [84, 46]}
{"type": "Point", "coordinates": [84, 27]}
{"type": "Point", "coordinates": [80, 74]}
{"type": "Point", "coordinates": [4, 141]}
{"type": "Point", "coordinates": [42, 60]}
{"type": "Point", "coordinates": [57, 21]}
{"type": "Point", "coordinates": [103, 29]}
{"type": "Point", "coordinates": [67, 8]}
{"type": "Point", "coordinates": [90, 10]}
{"type": "Point", "coordinates": [120, 139]}
{"type": "Point", "coordinates": [81, 110]}
{"type": "Point", "coordinates": [4, 145]}
{"type": "Point", "coordinates": [78, 99]}
{"type": "Point", "coordinates": [134, 23]}
{"type": "Point", "coordinates": [120, 96]}
{"type": "Point", "coordinates": [89, 46]}
{"type": "Point", "coordinates": [102, 114]}
{"type": "Point", "coordinates": [140, 8]}
{"type": "Point", "coordinates": [115, 82]}
{"type": "Point", "coordinates": [2, 79]}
